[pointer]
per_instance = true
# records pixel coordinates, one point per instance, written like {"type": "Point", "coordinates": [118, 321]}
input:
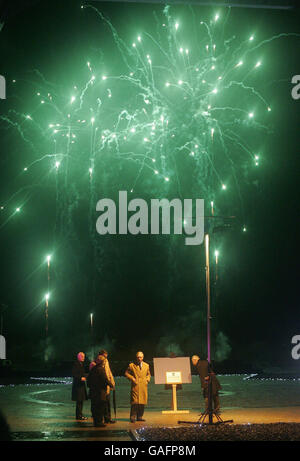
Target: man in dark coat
{"type": "Point", "coordinates": [97, 382]}
{"type": "Point", "coordinates": [79, 393]}
{"type": "Point", "coordinates": [204, 375]}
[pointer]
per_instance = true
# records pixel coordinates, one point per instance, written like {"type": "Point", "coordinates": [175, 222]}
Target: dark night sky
{"type": "Point", "coordinates": [145, 298]}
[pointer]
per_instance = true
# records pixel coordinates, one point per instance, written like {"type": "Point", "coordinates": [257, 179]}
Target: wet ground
{"type": "Point", "coordinates": [41, 409]}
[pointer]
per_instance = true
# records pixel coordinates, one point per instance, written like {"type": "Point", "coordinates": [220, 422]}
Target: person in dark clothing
{"type": "Point", "coordinates": [79, 393]}
{"type": "Point", "coordinates": [97, 382]}
{"type": "Point", "coordinates": [204, 375]}
{"type": "Point", "coordinates": [5, 435]}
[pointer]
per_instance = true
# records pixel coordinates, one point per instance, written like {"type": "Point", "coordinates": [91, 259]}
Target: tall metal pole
{"type": "Point", "coordinates": [47, 296]}
{"type": "Point", "coordinates": [210, 409]}
{"type": "Point", "coordinates": [46, 313]}
{"type": "Point", "coordinates": [207, 295]}
{"type": "Point", "coordinates": [92, 336]}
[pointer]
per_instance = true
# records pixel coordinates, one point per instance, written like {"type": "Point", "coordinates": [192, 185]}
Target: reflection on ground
{"type": "Point", "coordinates": [41, 408]}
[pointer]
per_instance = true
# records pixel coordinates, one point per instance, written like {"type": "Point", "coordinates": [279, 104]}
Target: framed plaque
{"type": "Point", "coordinates": [173, 377]}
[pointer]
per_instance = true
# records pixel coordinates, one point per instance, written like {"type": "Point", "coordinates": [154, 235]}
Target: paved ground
{"type": "Point", "coordinates": [42, 410]}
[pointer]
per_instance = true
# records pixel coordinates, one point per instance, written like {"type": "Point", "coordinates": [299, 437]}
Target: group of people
{"type": "Point", "coordinates": [100, 382]}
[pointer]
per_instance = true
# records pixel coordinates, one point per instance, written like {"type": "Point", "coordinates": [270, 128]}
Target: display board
{"type": "Point", "coordinates": [167, 367]}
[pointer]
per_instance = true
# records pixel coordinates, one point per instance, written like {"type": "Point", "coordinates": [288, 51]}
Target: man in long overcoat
{"type": "Point", "coordinates": [79, 393]}
{"type": "Point", "coordinates": [139, 374]}
{"type": "Point", "coordinates": [98, 382]}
